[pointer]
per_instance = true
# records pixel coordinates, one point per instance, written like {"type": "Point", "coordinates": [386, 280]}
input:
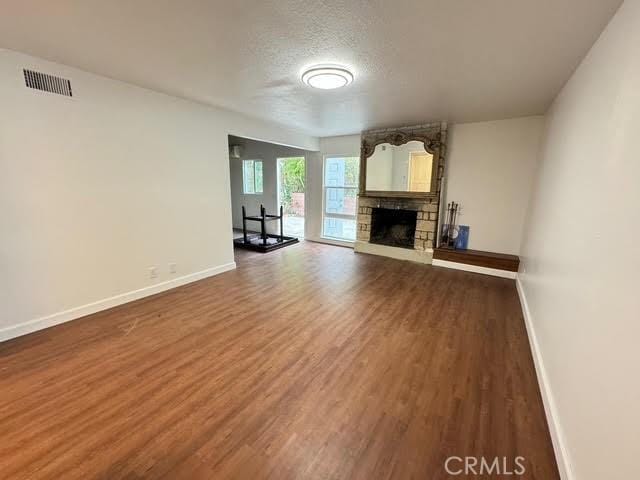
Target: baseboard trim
{"type": "Point", "coordinates": [550, 409]}
{"type": "Point", "coordinates": [30, 326]}
{"type": "Point", "coordinates": [474, 269]}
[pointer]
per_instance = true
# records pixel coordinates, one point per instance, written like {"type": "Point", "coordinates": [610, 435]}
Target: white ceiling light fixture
{"type": "Point", "coordinates": [327, 77]}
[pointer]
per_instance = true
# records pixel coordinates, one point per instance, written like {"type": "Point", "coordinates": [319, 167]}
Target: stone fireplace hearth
{"type": "Point", "coordinates": [426, 214]}
{"type": "Point", "coordinates": [425, 211]}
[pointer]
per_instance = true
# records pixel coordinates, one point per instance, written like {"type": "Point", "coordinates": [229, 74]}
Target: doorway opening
{"type": "Point", "coordinates": [291, 194]}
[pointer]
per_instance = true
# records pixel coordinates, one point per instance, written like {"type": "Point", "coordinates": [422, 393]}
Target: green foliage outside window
{"type": "Point", "coordinates": [292, 180]}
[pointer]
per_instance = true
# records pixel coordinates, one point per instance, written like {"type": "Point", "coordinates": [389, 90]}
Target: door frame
{"type": "Point", "coordinates": [306, 183]}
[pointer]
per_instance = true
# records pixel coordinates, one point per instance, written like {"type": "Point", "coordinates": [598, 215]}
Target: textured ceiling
{"type": "Point", "coordinates": [414, 60]}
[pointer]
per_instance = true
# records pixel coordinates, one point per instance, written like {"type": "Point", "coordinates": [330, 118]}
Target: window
{"type": "Point", "coordinates": [340, 197]}
{"type": "Point", "coordinates": [252, 176]}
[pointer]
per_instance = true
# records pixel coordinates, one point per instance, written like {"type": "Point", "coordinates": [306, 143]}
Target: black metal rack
{"type": "Point", "coordinates": [265, 242]}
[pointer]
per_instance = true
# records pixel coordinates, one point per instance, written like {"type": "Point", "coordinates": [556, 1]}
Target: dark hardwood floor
{"type": "Point", "coordinates": [309, 362]}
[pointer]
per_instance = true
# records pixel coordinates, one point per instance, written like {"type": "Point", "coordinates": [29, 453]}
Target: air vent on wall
{"type": "Point", "coordinates": [47, 83]}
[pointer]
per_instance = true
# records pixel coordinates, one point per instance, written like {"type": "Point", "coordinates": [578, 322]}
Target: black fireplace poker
{"type": "Point", "coordinates": [448, 230]}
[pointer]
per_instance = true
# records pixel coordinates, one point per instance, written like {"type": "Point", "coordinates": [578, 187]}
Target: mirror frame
{"type": "Point", "coordinates": [429, 135]}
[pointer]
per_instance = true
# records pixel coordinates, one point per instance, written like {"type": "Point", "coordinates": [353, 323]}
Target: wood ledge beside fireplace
{"type": "Point", "coordinates": [486, 260]}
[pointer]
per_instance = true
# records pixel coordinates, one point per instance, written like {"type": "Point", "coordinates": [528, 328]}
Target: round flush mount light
{"type": "Point", "coordinates": [327, 77]}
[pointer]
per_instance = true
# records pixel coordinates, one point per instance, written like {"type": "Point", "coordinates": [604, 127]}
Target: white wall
{"type": "Point", "coordinates": [269, 154]}
{"type": "Point", "coordinates": [97, 188]}
{"type": "Point", "coordinates": [490, 169]}
{"type": "Point", "coordinates": [581, 259]}
{"type": "Point", "coordinates": [347, 145]}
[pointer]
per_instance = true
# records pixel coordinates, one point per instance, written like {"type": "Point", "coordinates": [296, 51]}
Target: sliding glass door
{"type": "Point", "coordinates": [340, 182]}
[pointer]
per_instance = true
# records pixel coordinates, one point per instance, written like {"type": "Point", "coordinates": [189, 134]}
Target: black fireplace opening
{"type": "Point", "coordinates": [395, 228]}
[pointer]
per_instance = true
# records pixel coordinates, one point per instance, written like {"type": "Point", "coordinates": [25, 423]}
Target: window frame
{"type": "Point", "coordinates": [255, 177]}
{"type": "Point", "coordinates": [325, 188]}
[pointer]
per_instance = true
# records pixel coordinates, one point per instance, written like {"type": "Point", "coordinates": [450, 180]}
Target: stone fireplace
{"type": "Point", "coordinates": [400, 224]}
{"type": "Point", "coordinates": [425, 212]}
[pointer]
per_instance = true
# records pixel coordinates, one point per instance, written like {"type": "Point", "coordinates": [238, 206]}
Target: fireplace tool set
{"type": "Point", "coordinates": [449, 232]}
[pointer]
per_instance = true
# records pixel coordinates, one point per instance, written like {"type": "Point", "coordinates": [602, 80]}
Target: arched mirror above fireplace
{"type": "Point", "coordinates": [400, 168]}
{"type": "Point", "coordinates": [401, 162]}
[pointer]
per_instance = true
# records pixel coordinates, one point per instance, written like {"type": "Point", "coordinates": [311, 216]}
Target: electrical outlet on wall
{"type": "Point", "coordinates": [153, 272]}
{"type": "Point", "coordinates": [173, 268]}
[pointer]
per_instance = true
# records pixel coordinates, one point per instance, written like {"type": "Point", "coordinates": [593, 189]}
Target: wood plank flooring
{"type": "Point", "coordinates": [309, 362]}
